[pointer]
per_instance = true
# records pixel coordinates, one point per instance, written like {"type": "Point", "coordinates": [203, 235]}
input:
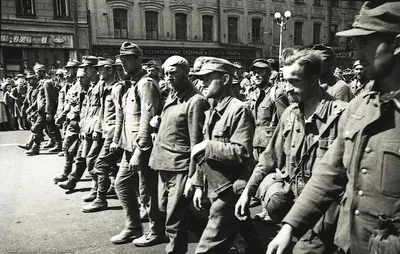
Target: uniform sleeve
{"type": "Point", "coordinates": [344, 93]}
{"type": "Point", "coordinates": [240, 147]}
{"type": "Point", "coordinates": [48, 91]}
{"type": "Point", "coordinates": [150, 106]}
{"type": "Point", "coordinates": [273, 157]}
{"type": "Point", "coordinates": [119, 115]}
{"type": "Point", "coordinates": [196, 118]}
{"type": "Point", "coordinates": [324, 187]}
{"type": "Point", "coordinates": [281, 102]}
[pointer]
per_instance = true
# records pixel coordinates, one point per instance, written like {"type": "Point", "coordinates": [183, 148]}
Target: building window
{"type": "Point", "coordinates": [207, 28]}
{"type": "Point", "coordinates": [317, 3]}
{"type": "Point", "coordinates": [181, 26]}
{"type": "Point", "coordinates": [25, 7]}
{"type": "Point", "coordinates": [256, 30]}
{"type": "Point", "coordinates": [298, 33]}
{"type": "Point", "coordinates": [233, 29]}
{"type": "Point", "coordinates": [62, 8]}
{"type": "Point", "coordinates": [316, 33]}
{"type": "Point", "coordinates": [120, 23]}
{"type": "Point", "coordinates": [151, 25]}
{"type": "Point", "coordinates": [335, 3]}
{"type": "Point", "coordinates": [333, 39]}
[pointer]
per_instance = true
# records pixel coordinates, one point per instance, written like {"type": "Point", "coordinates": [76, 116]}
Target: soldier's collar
{"type": "Point", "coordinates": [185, 93]}
{"type": "Point", "coordinates": [222, 104]}
{"type": "Point", "coordinates": [138, 76]}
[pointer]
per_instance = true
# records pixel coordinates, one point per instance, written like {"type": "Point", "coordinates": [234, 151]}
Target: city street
{"type": "Point", "coordinates": [36, 216]}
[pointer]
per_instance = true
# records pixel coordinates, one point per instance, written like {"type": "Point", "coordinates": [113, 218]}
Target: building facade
{"type": "Point", "coordinates": [238, 30]}
{"type": "Point", "coordinates": [45, 31]}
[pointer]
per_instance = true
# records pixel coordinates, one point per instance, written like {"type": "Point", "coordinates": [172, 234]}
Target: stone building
{"type": "Point", "coordinates": [238, 30]}
{"type": "Point", "coordinates": [45, 31]}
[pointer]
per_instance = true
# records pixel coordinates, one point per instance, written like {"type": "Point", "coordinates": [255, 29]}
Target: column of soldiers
{"type": "Point", "coordinates": [320, 154]}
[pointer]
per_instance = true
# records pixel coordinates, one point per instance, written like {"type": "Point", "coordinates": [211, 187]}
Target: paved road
{"type": "Point", "coordinates": [36, 216]}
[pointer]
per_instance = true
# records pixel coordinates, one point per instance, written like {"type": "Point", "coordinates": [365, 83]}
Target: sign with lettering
{"type": "Point", "coordinates": [195, 52]}
{"type": "Point", "coordinates": [24, 39]}
{"type": "Point", "coordinates": [349, 54]}
{"type": "Point", "coordinates": [37, 40]}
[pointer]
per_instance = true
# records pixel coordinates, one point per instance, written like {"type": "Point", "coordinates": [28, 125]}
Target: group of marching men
{"type": "Point", "coordinates": [200, 134]}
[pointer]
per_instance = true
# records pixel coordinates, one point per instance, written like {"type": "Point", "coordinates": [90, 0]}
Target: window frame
{"type": "Point", "coordinates": [260, 30]}
{"type": "Point", "coordinates": [19, 9]}
{"type": "Point", "coordinates": [181, 27]}
{"type": "Point", "coordinates": [233, 37]}
{"type": "Point", "coordinates": [207, 36]}
{"type": "Point", "coordinates": [155, 22]}
{"type": "Point", "coordinates": [67, 9]}
{"type": "Point", "coordinates": [319, 33]}
{"type": "Point", "coordinates": [125, 11]}
{"type": "Point", "coordinates": [297, 39]}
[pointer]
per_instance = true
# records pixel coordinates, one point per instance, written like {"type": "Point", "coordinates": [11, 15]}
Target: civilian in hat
{"type": "Point", "coordinates": [107, 130]}
{"type": "Point", "coordinates": [333, 85]}
{"type": "Point", "coordinates": [181, 128]}
{"type": "Point", "coordinates": [307, 137]}
{"type": "Point", "coordinates": [360, 83]}
{"type": "Point", "coordinates": [363, 161]}
{"type": "Point", "coordinates": [19, 92]}
{"type": "Point", "coordinates": [140, 104]}
{"type": "Point", "coordinates": [224, 157]}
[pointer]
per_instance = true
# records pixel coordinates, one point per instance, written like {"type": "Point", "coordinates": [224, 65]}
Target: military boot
{"type": "Point", "coordinates": [60, 178]}
{"type": "Point", "coordinates": [56, 148]}
{"type": "Point", "coordinates": [99, 204]}
{"type": "Point", "coordinates": [93, 192]}
{"type": "Point", "coordinates": [69, 185]}
{"type": "Point", "coordinates": [49, 144]}
{"type": "Point", "coordinates": [28, 144]}
{"type": "Point", "coordinates": [34, 150]}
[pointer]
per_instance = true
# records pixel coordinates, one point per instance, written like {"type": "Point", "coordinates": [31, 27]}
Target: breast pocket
{"type": "Point", "coordinates": [389, 163]}
{"type": "Point", "coordinates": [349, 141]}
{"type": "Point", "coordinates": [323, 145]}
{"type": "Point", "coordinates": [221, 133]}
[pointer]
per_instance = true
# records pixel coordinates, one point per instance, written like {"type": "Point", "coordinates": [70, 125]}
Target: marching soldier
{"type": "Point", "coordinates": [364, 159]}
{"type": "Point", "coordinates": [307, 128]}
{"type": "Point", "coordinates": [106, 128]}
{"type": "Point", "coordinates": [360, 84]}
{"type": "Point", "coordinates": [141, 103]}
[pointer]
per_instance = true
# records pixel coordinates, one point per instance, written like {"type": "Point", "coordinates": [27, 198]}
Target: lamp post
{"type": "Point", "coordinates": [281, 21]}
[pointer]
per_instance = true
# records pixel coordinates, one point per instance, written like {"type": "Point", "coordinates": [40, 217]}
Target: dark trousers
{"type": "Point", "coordinates": [70, 146]}
{"type": "Point", "coordinates": [86, 157]}
{"type": "Point", "coordinates": [125, 189]}
{"type": "Point", "coordinates": [51, 128]}
{"type": "Point", "coordinates": [171, 186]}
{"type": "Point", "coordinates": [223, 226]}
{"type": "Point", "coordinates": [106, 162]}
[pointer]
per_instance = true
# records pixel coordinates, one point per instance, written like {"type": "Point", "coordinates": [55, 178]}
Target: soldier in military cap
{"type": "Point", "coordinates": [364, 159]}
{"type": "Point", "coordinates": [224, 157]}
{"type": "Point", "coordinates": [332, 84]}
{"type": "Point", "coordinates": [45, 105]}
{"type": "Point", "coordinates": [181, 128]}
{"type": "Point", "coordinates": [141, 103]}
{"type": "Point", "coordinates": [106, 129]}
{"type": "Point", "coordinates": [360, 83]}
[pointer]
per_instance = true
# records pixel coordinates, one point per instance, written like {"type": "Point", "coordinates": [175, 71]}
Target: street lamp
{"type": "Point", "coordinates": [281, 21]}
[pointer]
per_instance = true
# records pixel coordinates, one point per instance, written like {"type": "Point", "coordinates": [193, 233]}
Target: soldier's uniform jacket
{"type": "Point", "coordinates": [364, 161]}
{"type": "Point", "coordinates": [182, 121]}
{"type": "Point", "coordinates": [229, 129]}
{"type": "Point", "coordinates": [357, 87]}
{"type": "Point", "coordinates": [110, 102]}
{"type": "Point", "coordinates": [267, 106]}
{"type": "Point", "coordinates": [298, 144]}
{"type": "Point", "coordinates": [77, 107]}
{"type": "Point", "coordinates": [140, 104]}
{"type": "Point", "coordinates": [338, 89]}
{"type": "Point", "coordinates": [89, 122]}
{"type": "Point", "coordinates": [63, 99]}
{"type": "Point", "coordinates": [47, 97]}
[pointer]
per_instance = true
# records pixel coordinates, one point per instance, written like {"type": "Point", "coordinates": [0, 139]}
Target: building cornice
{"type": "Point", "coordinates": [233, 11]}
{"type": "Point", "coordinates": [180, 8]}
{"type": "Point", "coordinates": [208, 10]}
{"type": "Point", "coordinates": [258, 12]}
{"type": "Point", "coordinates": [152, 6]}
{"type": "Point", "coordinates": [125, 4]}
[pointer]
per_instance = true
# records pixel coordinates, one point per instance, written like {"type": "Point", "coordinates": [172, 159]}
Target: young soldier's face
{"type": "Point", "coordinates": [70, 72]}
{"type": "Point", "coordinates": [298, 87]}
{"type": "Point", "coordinates": [130, 63]}
{"type": "Point", "coordinates": [261, 76]}
{"type": "Point", "coordinates": [104, 72]}
{"type": "Point", "coordinates": [213, 84]}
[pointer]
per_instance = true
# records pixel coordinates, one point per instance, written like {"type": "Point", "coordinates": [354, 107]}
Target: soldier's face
{"type": "Point", "coordinates": [358, 71]}
{"type": "Point", "coordinates": [31, 81]}
{"type": "Point", "coordinates": [83, 80]}
{"type": "Point", "coordinates": [39, 73]}
{"type": "Point", "coordinates": [130, 63]}
{"type": "Point", "coordinates": [175, 77]}
{"type": "Point", "coordinates": [213, 84]}
{"type": "Point", "coordinates": [298, 87]}
{"type": "Point", "coordinates": [104, 72]}
{"type": "Point", "coordinates": [70, 72]}
{"type": "Point", "coordinates": [261, 76]}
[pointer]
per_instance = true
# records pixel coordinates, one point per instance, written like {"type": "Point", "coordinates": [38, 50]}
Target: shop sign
{"type": "Point", "coordinates": [349, 54]}
{"type": "Point", "coordinates": [234, 53]}
{"type": "Point", "coordinates": [24, 39]}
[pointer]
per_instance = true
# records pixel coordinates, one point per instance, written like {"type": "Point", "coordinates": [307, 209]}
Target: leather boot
{"type": "Point", "coordinates": [127, 235]}
{"type": "Point", "coordinates": [93, 192]}
{"type": "Point", "coordinates": [56, 148]}
{"type": "Point", "coordinates": [28, 144]}
{"type": "Point", "coordinates": [60, 178]}
{"type": "Point", "coordinates": [49, 144]}
{"type": "Point", "coordinates": [70, 185]}
{"type": "Point", "coordinates": [99, 204]}
{"type": "Point", "coordinates": [33, 151]}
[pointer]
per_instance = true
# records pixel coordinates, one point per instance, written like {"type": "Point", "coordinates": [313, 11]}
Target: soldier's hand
{"type": "Point", "coordinates": [198, 148]}
{"type": "Point", "coordinates": [155, 122]}
{"type": "Point", "coordinates": [113, 146]}
{"type": "Point", "coordinates": [197, 197]}
{"type": "Point", "coordinates": [242, 211]}
{"type": "Point", "coordinates": [188, 189]}
{"type": "Point", "coordinates": [134, 163]}
{"type": "Point", "coordinates": [96, 136]}
{"type": "Point", "coordinates": [281, 241]}
{"type": "Point", "coordinates": [49, 117]}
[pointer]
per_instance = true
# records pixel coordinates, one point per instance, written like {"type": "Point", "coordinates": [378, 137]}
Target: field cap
{"type": "Point", "coordinates": [30, 75]}
{"type": "Point", "coordinates": [118, 62]}
{"type": "Point", "coordinates": [152, 65]}
{"type": "Point", "coordinates": [39, 67]}
{"type": "Point", "coordinates": [375, 16]}
{"type": "Point", "coordinates": [72, 63]}
{"type": "Point", "coordinates": [106, 62]}
{"type": "Point", "coordinates": [327, 52]}
{"type": "Point", "coordinates": [212, 64]}
{"type": "Point", "coordinates": [260, 63]}
{"type": "Point", "coordinates": [59, 72]}
{"type": "Point", "coordinates": [129, 48]}
{"type": "Point", "coordinates": [357, 63]}
{"type": "Point", "coordinates": [88, 61]}
{"type": "Point", "coordinates": [82, 72]}
{"type": "Point", "coordinates": [175, 60]}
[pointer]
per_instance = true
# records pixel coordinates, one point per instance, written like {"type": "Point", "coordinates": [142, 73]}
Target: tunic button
{"type": "Point", "coordinates": [356, 212]}
{"type": "Point", "coordinates": [361, 193]}
{"type": "Point", "coordinates": [364, 171]}
{"type": "Point", "coordinates": [368, 149]}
